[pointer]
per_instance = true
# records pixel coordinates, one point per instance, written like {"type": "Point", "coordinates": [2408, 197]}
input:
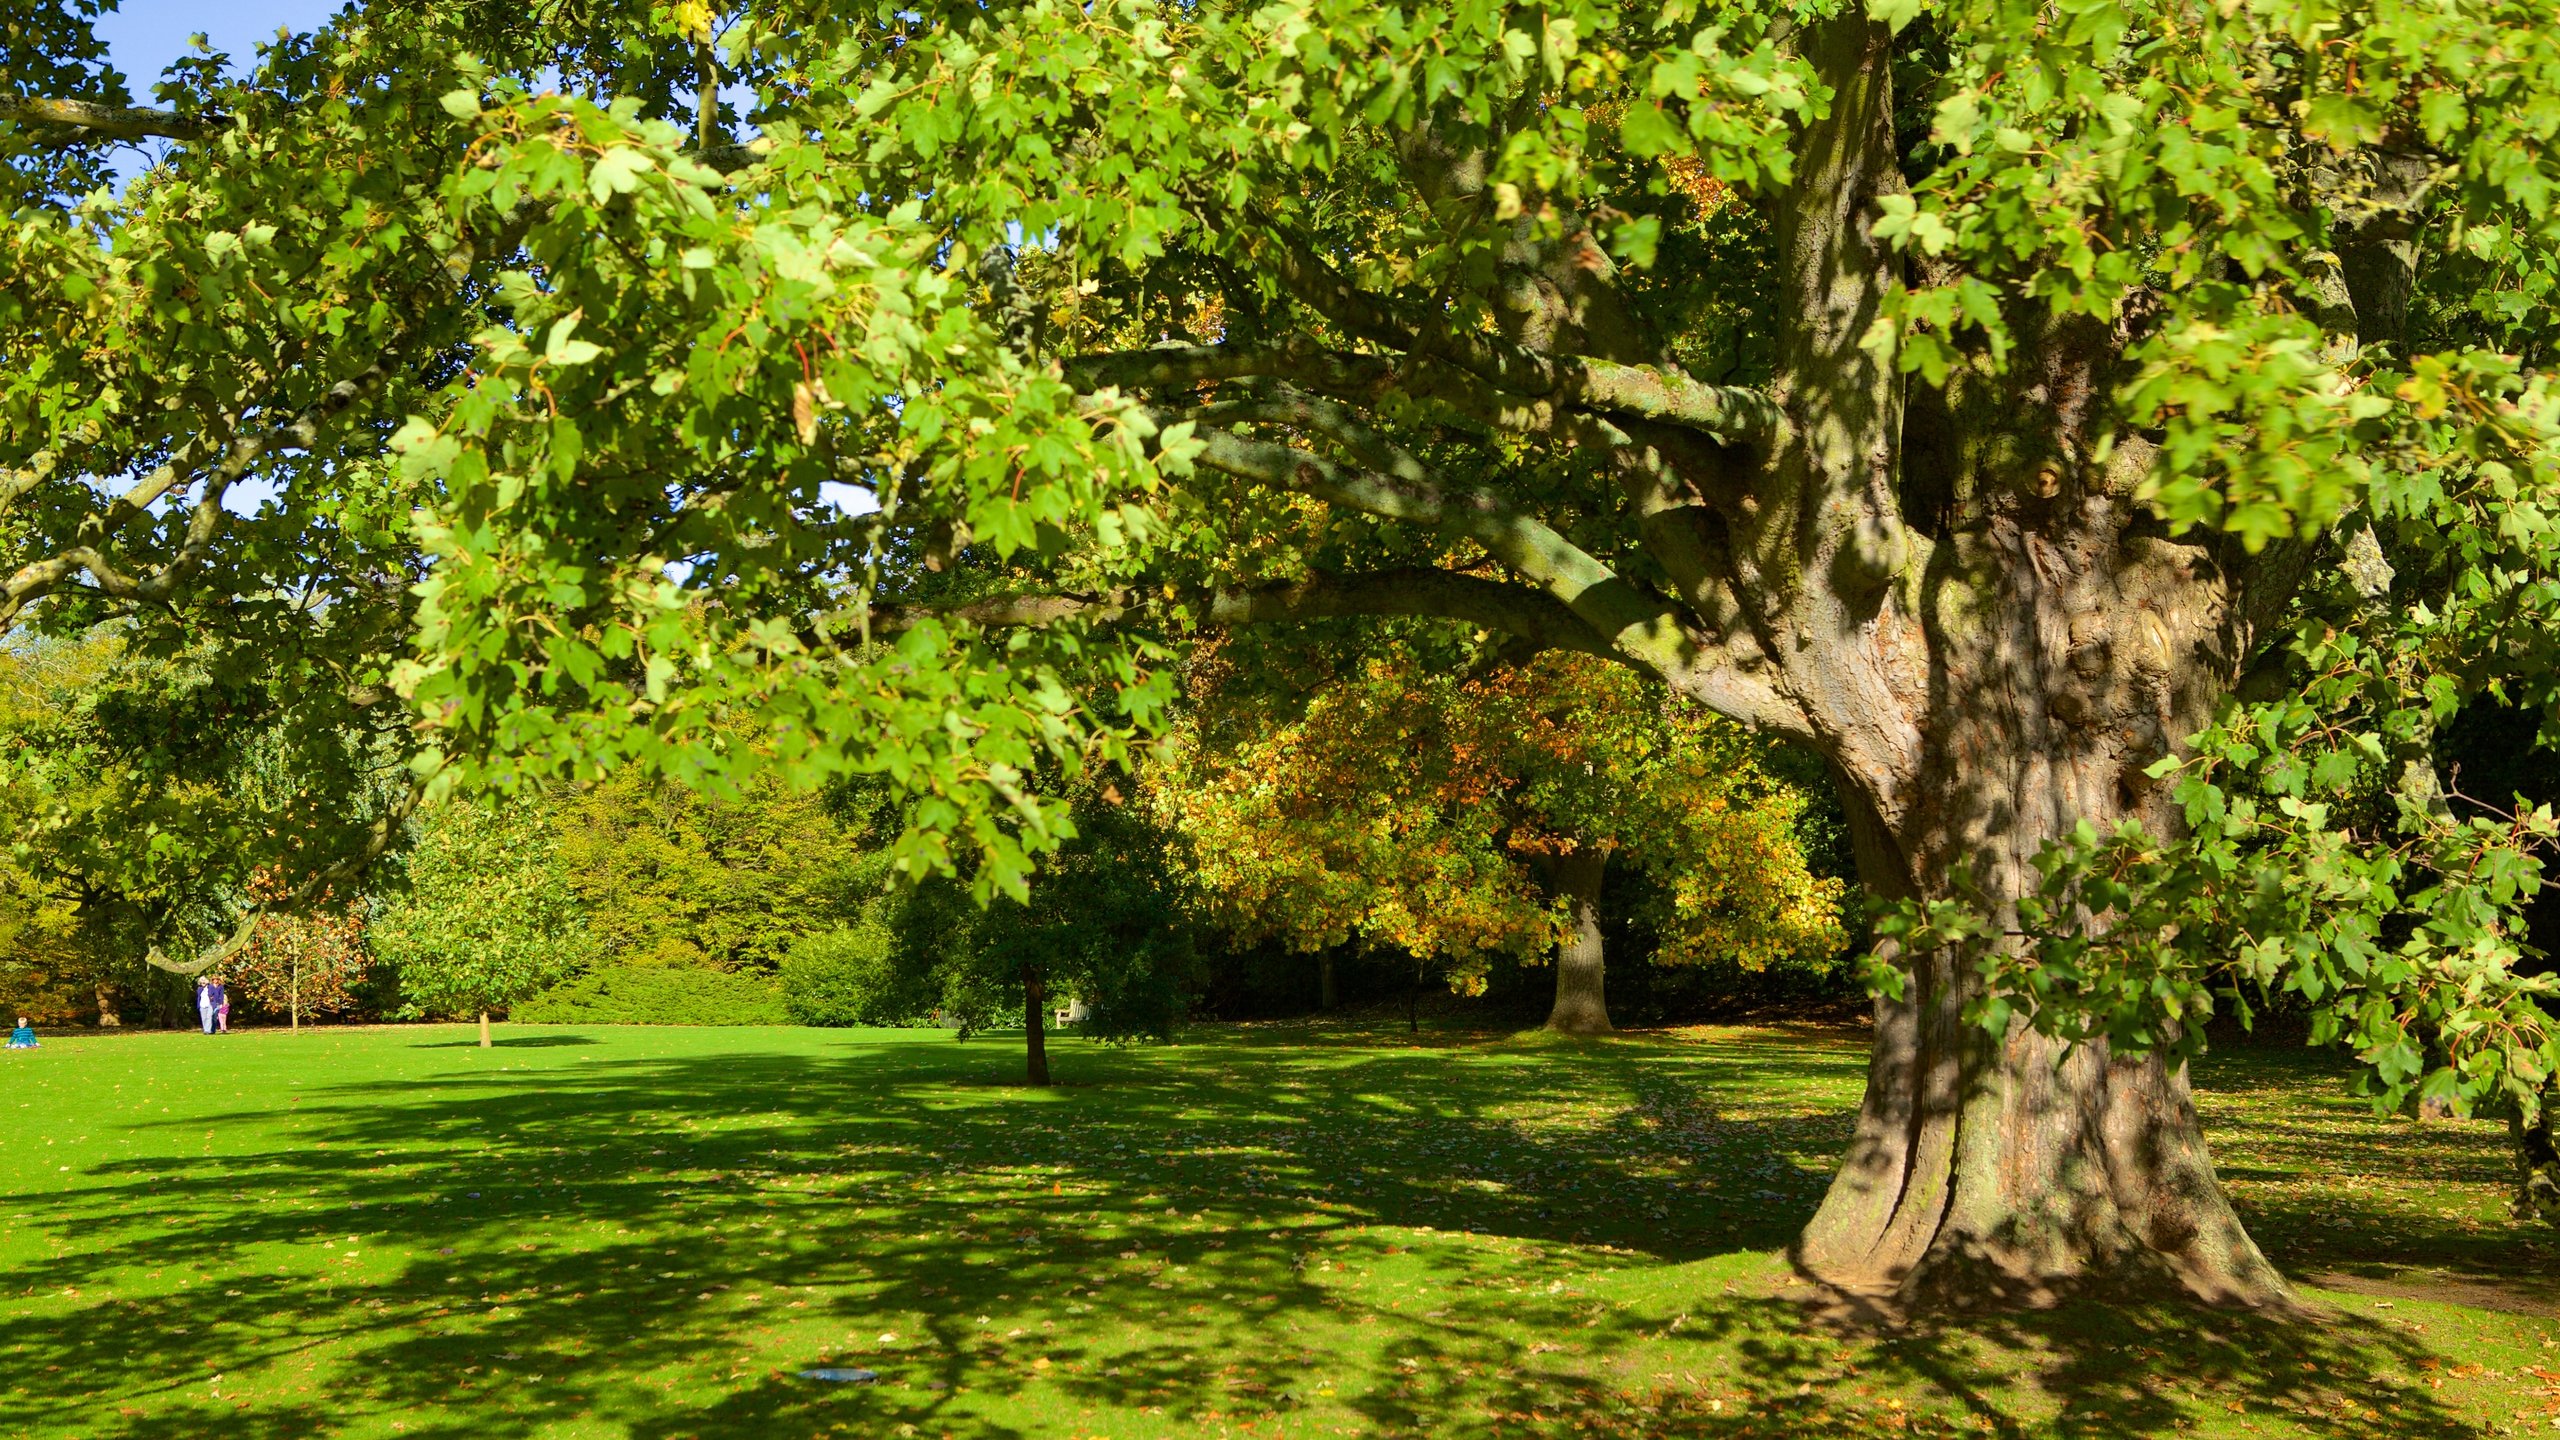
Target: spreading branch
{"type": "Point", "coordinates": [91, 120]}
{"type": "Point", "coordinates": [155, 585]}
{"type": "Point", "coordinates": [1722, 672]}
{"type": "Point", "coordinates": [378, 838]}
{"type": "Point", "coordinates": [1734, 414]}
{"type": "Point", "coordinates": [1535, 618]}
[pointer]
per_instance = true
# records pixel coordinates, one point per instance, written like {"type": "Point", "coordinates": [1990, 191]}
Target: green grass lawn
{"type": "Point", "coordinates": [1281, 1231]}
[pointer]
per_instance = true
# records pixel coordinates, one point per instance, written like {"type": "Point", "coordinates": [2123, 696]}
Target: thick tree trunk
{"type": "Point", "coordinates": [484, 1029]}
{"type": "Point", "coordinates": [2002, 1171]}
{"type": "Point", "coordinates": [1582, 1006]}
{"type": "Point", "coordinates": [1328, 993]}
{"type": "Point", "coordinates": [1035, 1033]}
{"type": "Point", "coordinates": [2010, 1169]}
{"type": "Point", "coordinates": [1991, 643]}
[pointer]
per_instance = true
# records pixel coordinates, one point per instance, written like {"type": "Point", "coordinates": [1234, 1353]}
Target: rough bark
{"type": "Point", "coordinates": [2055, 652]}
{"type": "Point", "coordinates": [1982, 685]}
{"type": "Point", "coordinates": [1582, 1006]}
{"type": "Point", "coordinates": [1035, 1031]}
{"type": "Point", "coordinates": [2005, 1171]}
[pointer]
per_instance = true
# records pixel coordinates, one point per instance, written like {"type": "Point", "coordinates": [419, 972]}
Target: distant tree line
{"type": "Point", "coordinates": [1388, 827]}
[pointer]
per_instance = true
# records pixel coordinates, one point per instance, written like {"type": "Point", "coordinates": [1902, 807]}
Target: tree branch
{"type": "Point", "coordinates": [1635, 626]}
{"type": "Point", "coordinates": [1734, 415]}
{"type": "Point", "coordinates": [118, 122]}
{"type": "Point", "coordinates": [1737, 415]}
{"type": "Point", "coordinates": [204, 522]}
{"type": "Point", "coordinates": [1286, 405]}
{"type": "Point", "coordinates": [377, 841]}
{"type": "Point", "coordinates": [1516, 610]}
{"type": "Point", "coordinates": [214, 954]}
{"type": "Point", "coordinates": [89, 120]}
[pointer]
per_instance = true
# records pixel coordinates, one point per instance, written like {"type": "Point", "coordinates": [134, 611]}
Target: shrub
{"type": "Point", "coordinates": [656, 995]}
{"type": "Point", "coordinates": [851, 977]}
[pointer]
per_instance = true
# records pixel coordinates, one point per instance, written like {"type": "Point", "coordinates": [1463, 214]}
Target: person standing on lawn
{"type": "Point", "coordinates": [221, 1008]}
{"type": "Point", "coordinates": [204, 1002]}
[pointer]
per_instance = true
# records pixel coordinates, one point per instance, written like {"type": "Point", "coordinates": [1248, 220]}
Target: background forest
{"type": "Point", "coordinates": [1361, 827]}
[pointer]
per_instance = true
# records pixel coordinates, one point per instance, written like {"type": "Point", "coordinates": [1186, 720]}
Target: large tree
{"type": "Point", "coordinates": [1992, 396]}
{"type": "Point", "coordinates": [669, 877]}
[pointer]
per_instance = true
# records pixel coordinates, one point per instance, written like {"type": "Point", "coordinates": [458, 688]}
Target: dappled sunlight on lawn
{"type": "Point", "coordinates": [2336, 1194]}
{"type": "Point", "coordinates": [646, 1233]}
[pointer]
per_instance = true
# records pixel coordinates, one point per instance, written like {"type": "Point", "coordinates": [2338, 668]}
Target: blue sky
{"type": "Point", "coordinates": [145, 35]}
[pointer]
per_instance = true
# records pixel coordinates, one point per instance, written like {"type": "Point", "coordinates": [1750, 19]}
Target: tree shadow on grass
{"type": "Point", "coordinates": [511, 1042]}
{"type": "Point", "coordinates": [1203, 1236]}
{"type": "Point", "coordinates": [2421, 1212]}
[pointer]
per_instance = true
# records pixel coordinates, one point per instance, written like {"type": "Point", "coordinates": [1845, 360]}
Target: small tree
{"type": "Point", "coordinates": [1108, 924]}
{"type": "Point", "coordinates": [308, 963]}
{"type": "Point", "coordinates": [1457, 817]}
{"type": "Point", "coordinates": [487, 919]}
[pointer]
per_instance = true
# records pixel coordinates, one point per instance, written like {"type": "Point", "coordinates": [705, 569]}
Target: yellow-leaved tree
{"type": "Point", "coordinates": [1459, 816]}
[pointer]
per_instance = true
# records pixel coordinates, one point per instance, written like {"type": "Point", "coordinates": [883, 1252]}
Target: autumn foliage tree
{"type": "Point", "coordinates": [1455, 816]}
{"type": "Point", "coordinates": [304, 964]}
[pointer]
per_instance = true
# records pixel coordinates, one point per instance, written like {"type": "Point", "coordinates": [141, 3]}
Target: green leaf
{"type": "Point", "coordinates": [618, 173]}
{"type": "Point", "coordinates": [559, 349]}
{"type": "Point", "coordinates": [1894, 13]}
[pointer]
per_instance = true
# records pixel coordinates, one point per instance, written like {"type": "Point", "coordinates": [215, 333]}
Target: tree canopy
{"type": "Point", "coordinates": [1994, 397]}
{"type": "Point", "coordinates": [668, 878]}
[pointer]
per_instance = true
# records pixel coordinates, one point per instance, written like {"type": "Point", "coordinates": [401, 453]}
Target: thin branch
{"type": "Point", "coordinates": [1335, 372]}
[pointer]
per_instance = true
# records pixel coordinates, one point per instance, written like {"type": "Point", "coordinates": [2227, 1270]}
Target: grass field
{"type": "Point", "coordinates": [1281, 1231]}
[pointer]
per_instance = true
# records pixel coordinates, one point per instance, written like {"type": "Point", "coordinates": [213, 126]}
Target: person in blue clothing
{"type": "Point", "coordinates": [205, 1002]}
{"type": "Point", "coordinates": [24, 1037]}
